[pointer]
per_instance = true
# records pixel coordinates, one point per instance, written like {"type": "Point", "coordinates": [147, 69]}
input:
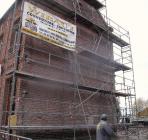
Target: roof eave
{"type": "Point", "coordinates": [95, 3]}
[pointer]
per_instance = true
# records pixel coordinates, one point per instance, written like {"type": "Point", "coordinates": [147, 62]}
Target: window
{"type": "Point", "coordinates": [1, 41]}
{"type": "Point", "coordinates": [14, 35]}
{"type": "Point", "coordinates": [1, 28]}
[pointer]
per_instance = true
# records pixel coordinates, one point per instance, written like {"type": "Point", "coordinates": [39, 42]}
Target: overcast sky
{"type": "Point", "coordinates": [133, 16]}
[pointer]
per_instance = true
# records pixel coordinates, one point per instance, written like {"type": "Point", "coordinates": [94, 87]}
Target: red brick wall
{"type": "Point", "coordinates": [44, 99]}
{"type": "Point", "coordinates": [4, 32]}
{"type": "Point", "coordinates": [49, 104]}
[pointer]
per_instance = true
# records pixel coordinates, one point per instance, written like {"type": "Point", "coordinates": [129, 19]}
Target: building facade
{"type": "Point", "coordinates": [44, 84]}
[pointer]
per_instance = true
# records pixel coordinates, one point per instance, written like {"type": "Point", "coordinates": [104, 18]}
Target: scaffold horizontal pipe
{"type": "Point", "coordinates": [13, 135]}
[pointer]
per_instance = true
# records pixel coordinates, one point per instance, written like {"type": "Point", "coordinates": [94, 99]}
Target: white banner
{"type": "Point", "coordinates": [48, 27]}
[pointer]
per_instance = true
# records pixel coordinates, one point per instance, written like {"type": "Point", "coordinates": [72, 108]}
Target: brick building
{"type": "Point", "coordinates": [43, 84]}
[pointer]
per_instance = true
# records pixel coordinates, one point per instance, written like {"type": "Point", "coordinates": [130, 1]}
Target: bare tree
{"type": "Point", "coordinates": [141, 104]}
{"type": "Point", "coordinates": [146, 103]}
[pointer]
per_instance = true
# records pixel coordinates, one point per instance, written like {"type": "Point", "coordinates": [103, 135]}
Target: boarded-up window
{"type": "Point", "coordinates": [14, 35]}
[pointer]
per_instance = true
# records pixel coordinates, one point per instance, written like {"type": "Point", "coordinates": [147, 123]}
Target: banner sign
{"type": "Point", "coordinates": [48, 27]}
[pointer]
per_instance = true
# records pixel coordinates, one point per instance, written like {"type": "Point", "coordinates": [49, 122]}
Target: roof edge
{"type": "Point", "coordinates": [95, 3]}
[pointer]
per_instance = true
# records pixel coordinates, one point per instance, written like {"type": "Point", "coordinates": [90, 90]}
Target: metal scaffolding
{"type": "Point", "coordinates": [122, 65]}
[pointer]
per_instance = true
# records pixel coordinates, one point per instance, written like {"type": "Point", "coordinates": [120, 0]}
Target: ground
{"type": "Point", "coordinates": [135, 133]}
